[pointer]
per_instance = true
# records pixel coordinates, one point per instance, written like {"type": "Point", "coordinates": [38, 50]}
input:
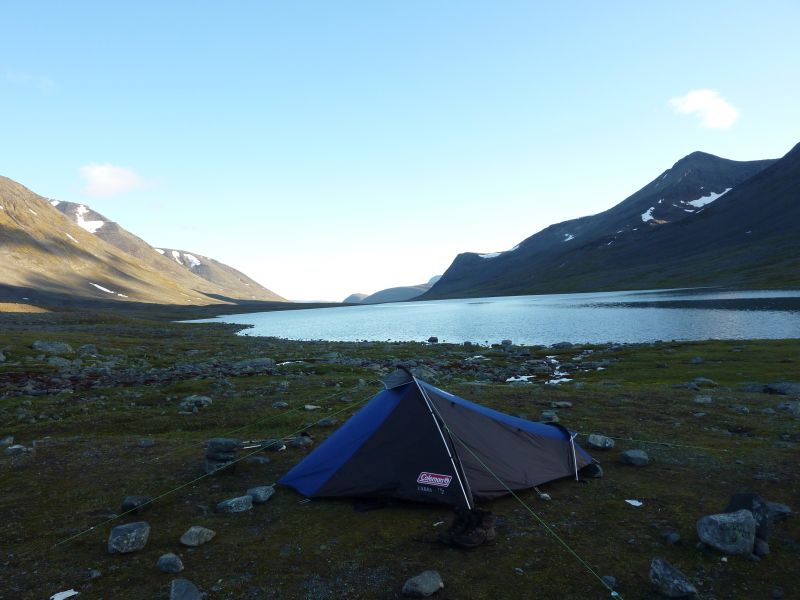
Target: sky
{"type": "Point", "coordinates": [328, 148]}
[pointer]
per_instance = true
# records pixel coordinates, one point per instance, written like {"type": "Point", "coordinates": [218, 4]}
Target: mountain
{"type": "Point", "coordinates": [44, 250]}
{"type": "Point", "coordinates": [705, 221]}
{"type": "Point", "coordinates": [395, 294]}
{"type": "Point", "coordinates": [179, 264]}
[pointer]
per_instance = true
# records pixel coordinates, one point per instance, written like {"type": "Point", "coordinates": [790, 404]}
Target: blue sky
{"type": "Point", "coordinates": [326, 148]}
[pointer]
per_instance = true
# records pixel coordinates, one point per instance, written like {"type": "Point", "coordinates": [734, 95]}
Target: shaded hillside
{"type": "Point", "coordinates": [682, 229]}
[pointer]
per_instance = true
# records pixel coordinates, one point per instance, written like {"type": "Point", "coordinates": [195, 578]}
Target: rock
{"type": "Point", "coordinates": [732, 533]}
{"type": "Point", "coordinates": [757, 506]}
{"type": "Point", "coordinates": [599, 442]}
{"type": "Point", "coordinates": [783, 388]}
{"type": "Point", "coordinates": [669, 581]}
{"type": "Point", "coordinates": [561, 404]}
{"type": "Point", "coordinates": [128, 538]}
{"type": "Point", "coordinates": [704, 382]}
{"type": "Point", "coordinates": [312, 407]}
{"type": "Point", "coordinates": [136, 504]}
{"type": "Point", "coordinates": [60, 362]}
{"type": "Point", "coordinates": [197, 535]}
{"type": "Point", "coordinates": [792, 408]}
{"type": "Point", "coordinates": [686, 386]}
{"type": "Point", "coordinates": [778, 512]}
{"type": "Point", "coordinates": [754, 388]}
{"type": "Point", "coordinates": [702, 400]}
{"type": "Point", "coordinates": [549, 416]}
{"type": "Point", "coordinates": [254, 365]}
{"type": "Point", "coordinates": [261, 493]}
{"type": "Point", "coordinates": [301, 441]}
{"type": "Point", "coordinates": [183, 589]}
{"type": "Point", "coordinates": [169, 563]}
{"type": "Point", "coordinates": [223, 444]}
{"type": "Point", "coordinates": [280, 404]}
{"type": "Point", "coordinates": [423, 585]}
{"type": "Point", "coordinates": [88, 349]}
{"type": "Point", "coordinates": [671, 537]}
{"type": "Point", "coordinates": [637, 458]}
{"type": "Point", "coordinates": [14, 450]}
{"type": "Point", "coordinates": [235, 505]}
{"type": "Point", "coordinates": [433, 340]}
{"type": "Point", "coordinates": [610, 581]}
{"type": "Point", "coordinates": [146, 443]}
{"type": "Point", "coordinates": [7, 441]}
{"type": "Point", "coordinates": [52, 347]}
{"type": "Point", "coordinates": [328, 422]}
{"type": "Point", "coordinates": [760, 547]}
{"type": "Point", "coordinates": [195, 401]}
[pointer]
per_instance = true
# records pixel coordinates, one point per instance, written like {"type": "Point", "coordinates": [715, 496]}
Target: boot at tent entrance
{"type": "Point", "coordinates": [413, 441]}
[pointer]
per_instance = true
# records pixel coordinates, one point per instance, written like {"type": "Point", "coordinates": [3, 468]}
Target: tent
{"type": "Point", "coordinates": [416, 442]}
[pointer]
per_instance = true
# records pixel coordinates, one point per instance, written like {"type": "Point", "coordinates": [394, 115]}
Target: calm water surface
{"type": "Point", "coordinates": [577, 318]}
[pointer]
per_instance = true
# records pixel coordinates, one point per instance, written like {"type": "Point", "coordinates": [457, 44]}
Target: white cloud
{"type": "Point", "coordinates": [714, 111]}
{"type": "Point", "coordinates": [109, 180]}
{"type": "Point", "coordinates": [44, 84]}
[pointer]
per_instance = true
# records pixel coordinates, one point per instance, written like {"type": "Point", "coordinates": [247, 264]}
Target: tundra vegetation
{"type": "Point", "coordinates": [113, 416]}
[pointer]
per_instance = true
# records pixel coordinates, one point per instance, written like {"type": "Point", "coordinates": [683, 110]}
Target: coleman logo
{"type": "Point", "coordinates": [426, 478]}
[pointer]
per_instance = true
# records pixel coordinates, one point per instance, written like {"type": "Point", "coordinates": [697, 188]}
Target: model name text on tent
{"type": "Point", "coordinates": [426, 478]}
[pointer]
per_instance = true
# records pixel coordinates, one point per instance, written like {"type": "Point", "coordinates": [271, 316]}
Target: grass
{"type": "Point", "coordinates": [88, 456]}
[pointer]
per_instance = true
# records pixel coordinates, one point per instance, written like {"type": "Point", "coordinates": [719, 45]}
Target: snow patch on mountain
{"type": "Point", "coordinates": [648, 216]}
{"type": "Point", "coordinates": [101, 288]}
{"type": "Point", "coordinates": [55, 202]}
{"type": "Point", "coordinates": [568, 237]}
{"type": "Point", "coordinates": [159, 250]}
{"type": "Point", "coordinates": [496, 254]}
{"type": "Point", "coordinates": [192, 260]}
{"type": "Point", "coordinates": [702, 201]}
{"type": "Point", "coordinates": [90, 226]}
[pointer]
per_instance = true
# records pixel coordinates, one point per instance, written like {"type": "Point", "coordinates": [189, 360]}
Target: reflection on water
{"type": "Point", "coordinates": [578, 318]}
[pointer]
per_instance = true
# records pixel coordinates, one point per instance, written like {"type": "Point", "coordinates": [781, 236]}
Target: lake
{"type": "Point", "coordinates": [625, 317]}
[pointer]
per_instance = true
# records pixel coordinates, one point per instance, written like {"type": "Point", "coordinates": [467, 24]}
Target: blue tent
{"type": "Point", "coordinates": [417, 442]}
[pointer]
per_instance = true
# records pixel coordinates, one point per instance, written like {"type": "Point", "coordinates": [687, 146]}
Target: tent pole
{"type": "Point", "coordinates": [446, 447]}
{"type": "Point", "coordinates": [574, 457]}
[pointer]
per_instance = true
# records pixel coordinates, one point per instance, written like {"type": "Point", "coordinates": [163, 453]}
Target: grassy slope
{"type": "Point", "coordinates": [324, 549]}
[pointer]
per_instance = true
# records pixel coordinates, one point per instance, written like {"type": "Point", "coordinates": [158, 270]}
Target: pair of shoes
{"type": "Point", "coordinates": [459, 525]}
{"type": "Point", "coordinates": [470, 529]}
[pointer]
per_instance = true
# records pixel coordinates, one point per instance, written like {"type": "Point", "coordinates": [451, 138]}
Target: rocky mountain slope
{"type": "Point", "coordinates": [394, 294]}
{"type": "Point", "coordinates": [181, 265]}
{"type": "Point", "coordinates": [705, 221]}
{"type": "Point", "coordinates": [42, 249]}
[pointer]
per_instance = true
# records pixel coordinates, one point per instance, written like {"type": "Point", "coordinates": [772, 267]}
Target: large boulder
{"type": "Point", "coordinates": [757, 506]}
{"type": "Point", "coordinates": [669, 581]}
{"type": "Point", "coordinates": [128, 538]}
{"type": "Point", "coordinates": [732, 533]}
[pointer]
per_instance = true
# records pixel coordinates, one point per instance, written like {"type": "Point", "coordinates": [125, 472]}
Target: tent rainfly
{"type": "Point", "coordinates": [416, 442]}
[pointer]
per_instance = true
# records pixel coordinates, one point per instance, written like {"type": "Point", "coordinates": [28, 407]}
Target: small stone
{"type": "Point", "coordinates": [549, 416]}
{"type": "Point", "coordinates": [312, 407]}
{"type": "Point", "coordinates": [280, 404]}
{"type": "Point", "coordinates": [610, 581]}
{"type": "Point", "coordinates": [423, 585]}
{"type": "Point", "coordinates": [670, 581]}
{"type": "Point", "coordinates": [301, 441]}
{"type": "Point", "coordinates": [223, 444]}
{"type": "Point", "coordinates": [235, 505]}
{"type": "Point", "coordinates": [519, 571]}
{"type": "Point", "coordinates": [328, 422]}
{"type": "Point", "coordinates": [702, 400]}
{"type": "Point", "coordinates": [14, 450]}
{"type": "Point", "coordinates": [169, 563]}
{"type": "Point", "coordinates": [704, 382]}
{"type": "Point", "coordinates": [197, 535]}
{"type": "Point", "coordinates": [183, 589]}
{"type": "Point", "coordinates": [195, 401]}
{"type": "Point", "coordinates": [561, 404]}
{"type": "Point", "coordinates": [261, 493]}
{"type": "Point", "coordinates": [128, 538]}
{"type": "Point", "coordinates": [600, 442]}
{"type": "Point", "coordinates": [136, 504]}
{"type": "Point", "coordinates": [94, 574]}
{"type": "Point", "coordinates": [637, 458]}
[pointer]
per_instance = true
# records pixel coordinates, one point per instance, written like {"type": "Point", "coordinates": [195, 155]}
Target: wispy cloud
{"type": "Point", "coordinates": [44, 84]}
{"type": "Point", "coordinates": [713, 110]}
{"type": "Point", "coordinates": [109, 180]}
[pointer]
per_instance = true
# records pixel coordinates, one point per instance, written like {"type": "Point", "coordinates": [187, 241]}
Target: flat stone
{"type": "Point", "coordinates": [170, 563]}
{"type": "Point", "coordinates": [423, 585]}
{"type": "Point", "coordinates": [549, 416]}
{"type": "Point", "coordinates": [183, 589]}
{"type": "Point", "coordinates": [261, 493]}
{"type": "Point", "coordinates": [197, 535]}
{"type": "Point", "coordinates": [235, 505]}
{"type": "Point", "coordinates": [328, 422]}
{"type": "Point", "coordinates": [52, 347]}
{"type": "Point", "coordinates": [669, 581]}
{"type": "Point", "coordinates": [599, 442]}
{"type": "Point", "coordinates": [702, 400]}
{"type": "Point", "coordinates": [14, 450]}
{"type": "Point", "coordinates": [136, 504]}
{"type": "Point", "coordinates": [128, 538]}
{"type": "Point", "coordinates": [637, 458]}
{"type": "Point", "coordinates": [280, 404]}
{"type": "Point", "coordinates": [732, 533]}
{"type": "Point", "coordinates": [301, 441]}
{"type": "Point", "coordinates": [784, 388]}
